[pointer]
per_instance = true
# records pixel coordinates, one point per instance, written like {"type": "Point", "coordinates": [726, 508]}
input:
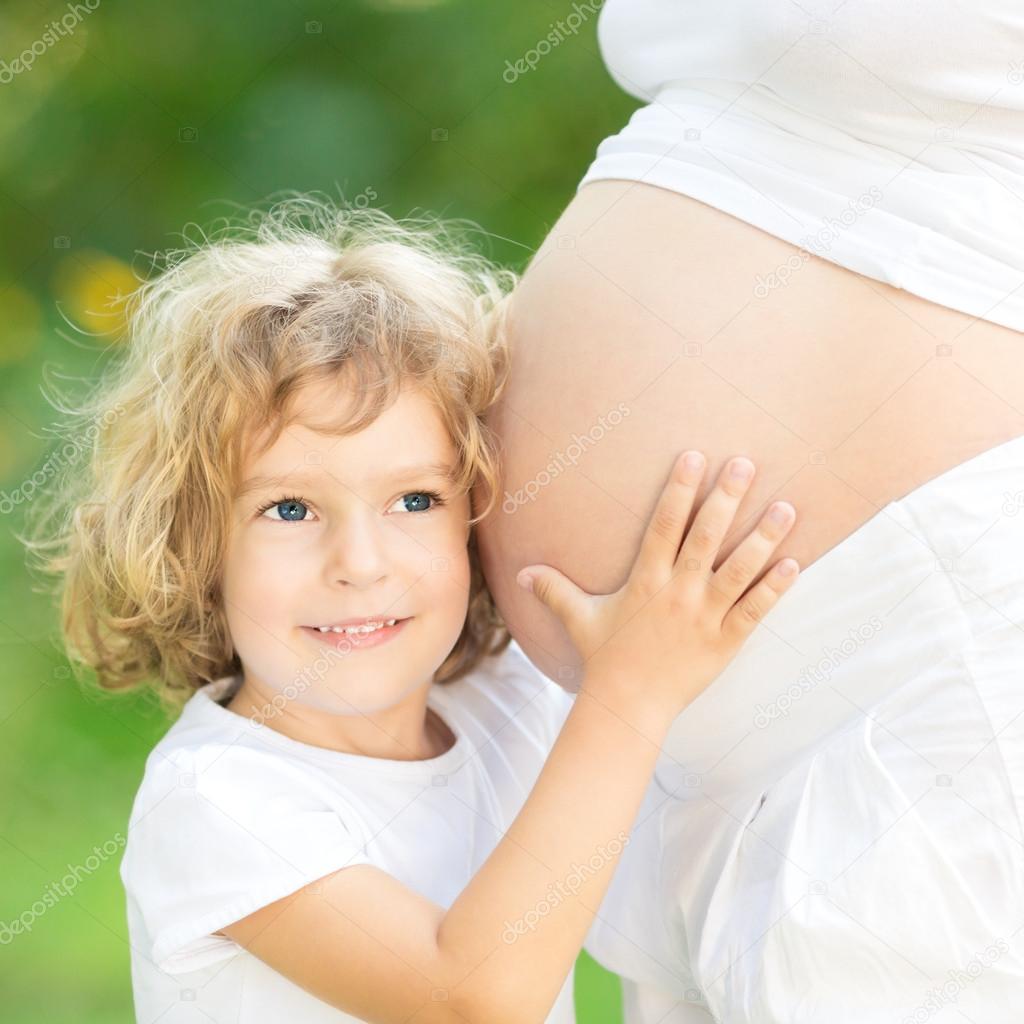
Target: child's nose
{"type": "Point", "coordinates": [358, 553]}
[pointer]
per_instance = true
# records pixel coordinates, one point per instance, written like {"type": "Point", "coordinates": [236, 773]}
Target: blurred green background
{"type": "Point", "coordinates": [118, 132]}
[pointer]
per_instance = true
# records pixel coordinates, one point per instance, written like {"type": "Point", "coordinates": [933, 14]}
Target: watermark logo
{"type": "Point", "coordinates": [560, 461]}
{"type": "Point", "coordinates": [307, 678]}
{"type": "Point", "coordinates": [818, 244]}
{"type": "Point", "coordinates": [54, 32]}
{"type": "Point", "coordinates": [56, 891]}
{"type": "Point", "coordinates": [559, 891]}
{"type": "Point", "coordinates": [956, 983]}
{"type": "Point", "coordinates": [66, 455]}
{"type": "Point", "coordinates": [1013, 502]}
{"type": "Point", "coordinates": [560, 30]}
{"type": "Point", "coordinates": [814, 675]}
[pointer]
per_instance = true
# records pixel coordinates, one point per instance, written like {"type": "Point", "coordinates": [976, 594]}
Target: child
{"type": "Point", "coordinates": [353, 817]}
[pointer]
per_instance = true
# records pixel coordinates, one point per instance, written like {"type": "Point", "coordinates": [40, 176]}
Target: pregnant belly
{"type": "Point", "coordinates": [642, 328]}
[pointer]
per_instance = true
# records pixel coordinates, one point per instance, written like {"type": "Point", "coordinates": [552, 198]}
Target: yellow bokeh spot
{"type": "Point", "coordinates": [92, 288]}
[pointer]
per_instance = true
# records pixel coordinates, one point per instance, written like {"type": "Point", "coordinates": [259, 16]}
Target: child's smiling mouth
{"type": "Point", "coordinates": [371, 633]}
{"type": "Point", "coordinates": [368, 627]}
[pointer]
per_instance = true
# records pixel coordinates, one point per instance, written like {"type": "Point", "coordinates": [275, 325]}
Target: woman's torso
{"type": "Point", "coordinates": [637, 333]}
{"type": "Point", "coordinates": [845, 391]}
{"type": "Point", "coordinates": [642, 328]}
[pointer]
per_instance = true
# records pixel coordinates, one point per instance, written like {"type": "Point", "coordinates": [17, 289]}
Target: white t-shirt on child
{"type": "Point", "coordinates": [231, 816]}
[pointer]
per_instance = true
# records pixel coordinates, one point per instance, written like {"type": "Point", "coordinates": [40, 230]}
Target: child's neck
{"type": "Point", "coordinates": [409, 731]}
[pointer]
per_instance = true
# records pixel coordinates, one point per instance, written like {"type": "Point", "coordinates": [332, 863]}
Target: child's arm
{"type": "Point", "coordinates": [361, 941]}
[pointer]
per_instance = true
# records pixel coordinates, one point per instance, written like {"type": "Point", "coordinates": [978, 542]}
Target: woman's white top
{"type": "Point", "coordinates": [834, 833]}
{"type": "Point", "coordinates": [231, 816]}
{"type": "Point", "coordinates": [887, 138]}
{"type": "Point", "coordinates": [835, 830]}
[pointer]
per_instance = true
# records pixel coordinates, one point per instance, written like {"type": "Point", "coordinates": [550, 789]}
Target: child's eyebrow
{"type": "Point", "coordinates": [441, 470]}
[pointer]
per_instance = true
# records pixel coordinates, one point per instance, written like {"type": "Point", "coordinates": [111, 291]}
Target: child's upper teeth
{"type": "Point", "coordinates": [369, 628]}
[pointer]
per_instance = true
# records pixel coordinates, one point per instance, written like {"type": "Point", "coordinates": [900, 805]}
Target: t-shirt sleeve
{"type": "Point", "coordinates": [549, 703]}
{"type": "Point", "coordinates": [218, 832]}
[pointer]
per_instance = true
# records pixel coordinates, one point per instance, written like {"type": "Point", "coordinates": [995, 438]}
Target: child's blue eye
{"type": "Point", "coordinates": [291, 510]}
{"type": "Point", "coordinates": [419, 497]}
{"type": "Point", "coordinates": [294, 509]}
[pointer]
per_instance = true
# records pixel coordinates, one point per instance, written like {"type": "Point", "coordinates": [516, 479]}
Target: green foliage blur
{"type": "Point", "coordinates": [115, 135]}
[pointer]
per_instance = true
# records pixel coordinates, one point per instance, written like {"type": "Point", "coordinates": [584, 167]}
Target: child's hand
{"type": "Point", "coordinates": [656, 643]}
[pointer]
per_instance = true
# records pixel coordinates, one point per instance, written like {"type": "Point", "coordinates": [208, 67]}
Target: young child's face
{"type": "Point", "coordinates": [346, 532]}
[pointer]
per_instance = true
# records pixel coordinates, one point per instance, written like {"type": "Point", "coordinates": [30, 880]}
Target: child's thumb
{"type": "Point", "coordinates": [550, 587]}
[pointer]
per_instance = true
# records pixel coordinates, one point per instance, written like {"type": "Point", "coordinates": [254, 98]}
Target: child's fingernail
{"type": "Point", "coordinates": [787, 567]}
{"type": "Point", "coordinates": [741, 469]}
{"type": "Point", "coordinates": [525, 580]}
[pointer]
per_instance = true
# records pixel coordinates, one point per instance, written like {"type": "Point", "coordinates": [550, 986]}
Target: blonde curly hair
{"type": "Point", "coordinates": [219, 341]}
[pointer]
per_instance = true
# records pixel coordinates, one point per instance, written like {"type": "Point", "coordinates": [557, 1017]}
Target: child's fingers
{"type": "Point", "coordinates": [759, 601]}
{"type": "Point", "coordinates": [664, 533]}
{"type": "Point", "coordinates": [715, 515]}
{"type": "Point", "coordinates": [750, 556]}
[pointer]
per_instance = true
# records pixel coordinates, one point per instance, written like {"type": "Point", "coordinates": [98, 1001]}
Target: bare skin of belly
{"type": "Point", "coordinates": [636, 333]}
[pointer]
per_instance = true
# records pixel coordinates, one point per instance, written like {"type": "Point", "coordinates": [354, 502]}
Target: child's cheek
{"type": "Point", "coordinates": [449, 581]}
{"type": "Point", "coordinates": [257, 578]}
